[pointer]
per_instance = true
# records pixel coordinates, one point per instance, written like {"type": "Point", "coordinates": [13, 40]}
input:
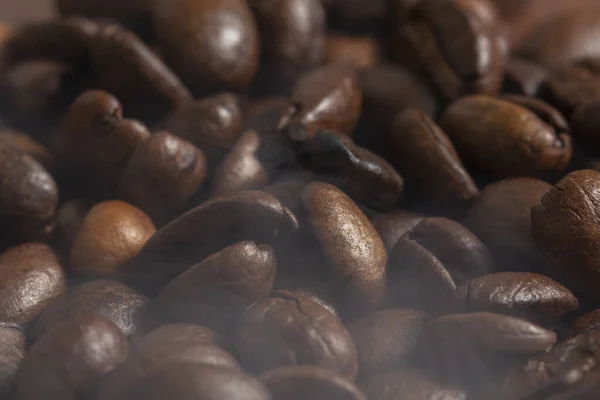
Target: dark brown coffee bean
{"type": "Point", "coordinates": [357, 171]}
{"type": "Point", "coordinates": [207, 56]}
{"type": "Point", "coordinates": [501, 218]}
{"type": "Point", "coordinates": [393, 225]}
{"type": "Point", "coordinates": [241, 169]}
{"type": "Point", "coordinates": [291, 330]}
{"type": "Point", "coordinates": [339, 225]}
{"type": "Point", "coordinates": [162, 348]}
{"type": "Point", "coordinates": [329, 97]}
{"type": "Point", "coordinates": [112, 300]}
{"type": "Point", "coordinates": [32, 276]}
{"type": "Point", "coordinates": [569, 87]}
{"type": "Point", "coordinates": [187, 381]}
{"type": "Point", "coordinates": [565, 231]}
{"type": "Point", "coordinates": [94, 141]}
{"type": "Point", "coordinates": [162, 174]}
{"type": "Point", "coordinates": [425, 155]}
{"type": "Point", "coordinates": [126, 67]}
{"type": "Point", "coordinates": [530, 296]}
{"type": "Point", "coordinates": [359, 52]}
{"type": "Point", "coordinates": [444, 40]}
{"type": "Point", "coordinates": [412, 384]}
{"type": "Point", "coordinates": [216, 291]}
{"type": "Point", "coordinates": [250, 215]}
{"type": "Point", "coordinates": [71, 359]}
{"type": "Point", "coordinates": [524, 77]}
{"type": "Point", "coordinates": [308, 382]}
{"type": "Point", "coordinates": [585, 122]}
{"type": "Point", "coordinates": [587, 323]}
{"type": "Point", "coordinates": [12, 351]}
{"type": "Point", "coordinates": [29, 145]}
{"type": "Point", "coordinates": [213, 124]}
{"type": "Point", "coordinates": [29, 195]}
{"type": "Point", "coordinates": [386, 340]}
{"type": "Point", "coordinates": [505, 139]}
{"type": "Point", "coordinates": [110, 235]}
{"type": "Point", "coordinates": [68, 219]}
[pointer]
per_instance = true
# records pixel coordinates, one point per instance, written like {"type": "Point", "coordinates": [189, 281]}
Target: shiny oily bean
{"type": "Point", "coordinates": [308, 382]}
{"type": "Point", "coordinates": [393, 225]}
{"type": "Point", "coordinates": [338, 225]}
{"type": "Point", "coordinates": [424, 154]}
{"type": "Point", "coordinates": [162, 174]}
{"type": "Point", "coordinates": [530, 296]}
{"type": "Point", "coordinates": [505, 139]}
{"type": "Point", "coordinates": [112, 300]}
{"type": "Point", "coordinates": [216, 292]}
{"type": "Point", "coordinates": [185, 241]}
{"type": "Point", "coordinates": [71, 359]}
{"type": "Point", "coordinates": [359, 52]}
{"type": "Point", "coordinates": [412, 384]}
{"type": "Point", "coordinates": [565, 230]}
{"type": "Point", "coordinates": [501, 218]}
{"type": "Point", "coordinates": [32, 277]}
{"type": "Point", "coordinates": [386, 340]}
{"type": "Point", "coordinates": [211, 44]}
{"type": "Point", "coordinates": [12, 351]}
{"type": "Point", "coordinates": [329, 97]}
{"type": "Point", "coordinates": [110, 235]}
{"type": "Point", "coordinates": [290, 330]}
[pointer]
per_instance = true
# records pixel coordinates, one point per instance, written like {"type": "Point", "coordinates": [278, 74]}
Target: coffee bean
{"type": "Point", "coordinates": [585, 324]}
{"type": "Point", "coordinates": [216, 292]}
{"type": "Point", "coordinates": [530, 296]}
{"type": "Point", "coordinates": [220, 53]}
{"type": "Point", "coordinates": [29, 145]}
{"type": "Point", "coordinates": [308, 382]}
{"type": "Point", "coordinates": [524, 77]}
{"type": "Point", "coordinates": [32, 276]}
{"type": "Point", "coordinates": [329, 97]}
{"type": "Point", "coordinates": [291, 330]}
{"type": "Point", "coordinates": [12, 351]}
{"type": "Point", "coordinates": [337, 224]}
{"type": "Point", "coordinates": [359, 52]}
{"type": "Point", "coordinates": [501, 218]}
{"type": "Point", "coordinates": [393, 225]}
{"type": "Point", "coordinates": [569, 87]}
{"type": "Point", "coordinates": [505, 139]}
{"type": "Point", "coordinates": [112, 300]}
{"type": "Point", "coordinates": [110, 235]}
{"type": "Point", "coordinates": [385, 340]}
{"type": "Point", "coordinates": [425, 155]}
{"type": "Point", "coordinates": [185, 241]}
{"type": "Point", "coordinates": [564, 230]}
{"type": "Point", "coordinates": [71, 359]}
{"type": "Point", "coordinates": [162, 174]}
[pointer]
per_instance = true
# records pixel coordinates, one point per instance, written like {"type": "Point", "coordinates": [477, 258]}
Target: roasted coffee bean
{"type": "Point", "coordinates": [292, 330]}
{"type": "Point", "coordinates": [569, 87]}
{"type": "Point", "coordinates": [329, 97]}
{"type": "Point", "coordinates": [249, 215]}
{"type": "Point", "coordinates": [386, 340]}
{"type": "Point", "coordinates": [216, 292]}
{"type": "Point", "coordinates": [338, 224]}
{"type": "Point", "coordinates": [94, 141]}
{"type": "Point", "coordinates": [211, 45]}
{"type": "Point", "coordinates": [454, 44]}
{"type": "Point", "coordinates": [29, 195]}
{"type": "Point", "coordinates": [534, 297]}
{"type": "Point", "coordinates": [565, 232]}
{"type": "Point", "coordinates": [126, 67]}
{"type": "Point", "coordinates": [501, 218]}
{"type": "Point", "coordinates": [112, 300]}
{"type": "Point", "coordinates": [162, 174]}
{"type": "Point", "coordinates": [412, 384]}
{"type": "Point", "coordinates": [71, 359]}
{"type": "Point", "coordinates": [423, 153]}
{"type": "Point", "coordinates": [308, 382]}
{"type": "Point", "coordinates": [585, 324]}
{"type": "Point", "coordinates": [505, 139]}
{"type": "Point", "coordinates": [359, 52]}
{"type": "Point", "coordinates": [162, 348]}
{"type": "Point", "coordinates": [32, 276]}
{"type": "Point", "coordinates": [393, 225]}
{"type": "Point", "coordinates": [523, 77]}
{"type": "Point", "coordinates": [213, 124]}
{"type": "Point", "coordinates": [12, 350]}
{"type": "Point", "coordinates": [187, 381]}
{"type": "Point", "coordinates": [241, 169]}
{"type": "Point", "coordinates": [29, 145]}
{"type": "Point", "coordinates": [362, 174]}
{"type": "Point", "coordinates": [110, 235]}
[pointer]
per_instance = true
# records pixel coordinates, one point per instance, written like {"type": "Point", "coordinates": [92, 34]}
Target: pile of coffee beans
{"type": "Point", "coordinates": [301, 200]}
